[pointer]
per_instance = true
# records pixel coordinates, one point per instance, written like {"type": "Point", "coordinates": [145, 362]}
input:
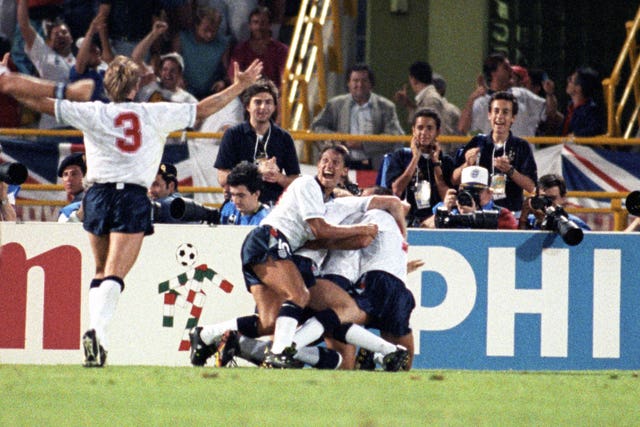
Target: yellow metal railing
{"type": "Point", "coordinates": [615, 109]}
{"type": "Point", "coordinates": [307, 60]}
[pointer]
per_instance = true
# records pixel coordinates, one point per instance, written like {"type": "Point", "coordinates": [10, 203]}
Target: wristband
{"type": "Point", "coordinates": [61, 88]}
{"type": "Point", "coordinates": [511, 171]}
{"type": "Point", "coordinates": [435, 164]}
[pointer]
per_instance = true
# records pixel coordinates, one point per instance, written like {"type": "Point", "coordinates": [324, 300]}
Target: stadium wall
{"type": "Point", "coordinates": [485, 300]}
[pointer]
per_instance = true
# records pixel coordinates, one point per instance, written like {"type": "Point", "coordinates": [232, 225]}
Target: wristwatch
{"type": "Point", "coordinates": [438, 163]}
{"type": "Point", "coordinates": [511, 171]}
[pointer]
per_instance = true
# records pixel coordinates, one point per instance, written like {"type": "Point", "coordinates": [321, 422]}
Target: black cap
{"type": "Point", "coordinates": [168, 172]}
{"type": "Point", "coordinates": [73, 159]}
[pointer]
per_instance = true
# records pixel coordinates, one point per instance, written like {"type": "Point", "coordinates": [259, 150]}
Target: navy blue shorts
{"type": "Point", "coordinates": [339, 280]}
{"type": "Point", "coordinates": [122, 208]}
{"type": "Point", "coordinates": [386, 300]}
{"type": "Point", "coordinates": [266, 242]}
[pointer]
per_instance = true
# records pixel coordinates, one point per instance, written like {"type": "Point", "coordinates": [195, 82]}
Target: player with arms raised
{"type": "Point", "coordinates": [124, 141]}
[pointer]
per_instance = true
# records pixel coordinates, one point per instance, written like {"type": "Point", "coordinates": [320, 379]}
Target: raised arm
{"type": "Point", "coordinates": [241, 81]}
{"type": "Point", "coordinates": [28, 32]}
{"type": "Point", "coordinates": [84, 53]}
{"type": "Point", "coordinates": [142, 49]}
{"type": "Point", "coordinates": [39, 93]}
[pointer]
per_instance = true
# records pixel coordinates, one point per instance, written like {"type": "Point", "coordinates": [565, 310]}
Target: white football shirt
{"type": "Point", "coordinates": [386, 252]}
{"type": "Point", "coordinates": [124, 141]}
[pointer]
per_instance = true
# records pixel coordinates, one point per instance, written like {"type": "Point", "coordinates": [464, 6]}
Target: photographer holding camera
{"type": "Point", "coordinates": [72, 171]}
{"type": "Point", "coordinates": [245, 185]}
{"type": "Point", "coordinates": [472, 206]}
{"type": "Point", "coordinates": [170, 207]}
{"type": "Point", "coordinates": [552, 190]}
{"type": "Point", "coordinates": [422, 174]}
{"type": "Point", "coordinates": [163, 191]}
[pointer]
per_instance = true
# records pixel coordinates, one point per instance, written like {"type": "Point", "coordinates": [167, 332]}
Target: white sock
{"type": "Point", "coordinates": [308, 355]}
{"type": "Point", "coordinates": [283, 333]}
{"type": "Point", "coordinates": [359, 336]}
{"type": "Point", "coordinates": [210, 333]}
{"type": "Point", "coordinates": [310, 331]}
{"type": "Point", "coordinates": [105, 304]}
{"type": "Point", "coordinates": [95, 302]}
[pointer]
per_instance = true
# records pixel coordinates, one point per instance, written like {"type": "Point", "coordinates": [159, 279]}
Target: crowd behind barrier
{"type": "Point", "coordinates": [611, 217]}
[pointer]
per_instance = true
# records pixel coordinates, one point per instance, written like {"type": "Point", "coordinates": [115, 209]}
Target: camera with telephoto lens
{"type": "Point", "coordinates": [557, 220]}
{"type": "Point", "coordinates": [633, 203]}
{"type": "Point", "coordinates": [479, 219]}
{"type": "Point", "coordinates": [13, 173]}
{"type": "Point", "coordinates": [191, 211]}
{"type": "Point", "coordinates": [468, 198]}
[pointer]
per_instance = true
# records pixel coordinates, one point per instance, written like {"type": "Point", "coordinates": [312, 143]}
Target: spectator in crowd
{"type": "Point", "coordinates": [261, 45]}
{"type": "Point", "coordinates": [163, 191]}
{"type": "Point", "coordinates": [552, 189]}
{"type": "Point", "coordinates": [421, 174]}
{"type": "Point", "coordinates": [497, 76]}
{"type": "Point", "coordinates": [360, 112]}
{"type": "Point", "coordinates": [426, 96]}
{"type": "Point", "coordinates": [7, 211]}
{"type": "Point", "coordinates": [219, 5]}
{"type": "Point", "coordinates": [52, 59]}
{"type": "Point", "coordinates": [90, 62]}
{"type": "Point", "coordinates": [259, 140]}
{"type": "Point", "coordinates": [508, 159]}
{"type": "Point", "coordinates": [543, 86]}
{"type": "Point", "coordinates": [244, 208]}
{"type": "Point", "coordinates": [128, 22]}
{"type": "Point", "coordinates": [584, 116]}
{"type": "Point", "coordinates": [42, 14]}
{"type": "Point", "coordinates": [72, 170]}
{"type": "Point", "coordinates": [167, 86]}
{"type": "Point", "coordinates": [474, 181]}
{"type": "Point", "coordinates": [205, 51]}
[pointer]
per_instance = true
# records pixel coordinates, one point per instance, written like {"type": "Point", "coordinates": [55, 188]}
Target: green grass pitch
{"type": "Point", "coordinates": [67, 395]}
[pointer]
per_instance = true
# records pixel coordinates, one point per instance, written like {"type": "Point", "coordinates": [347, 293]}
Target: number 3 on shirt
{"type": "Point", "coordinates": [130, 124]}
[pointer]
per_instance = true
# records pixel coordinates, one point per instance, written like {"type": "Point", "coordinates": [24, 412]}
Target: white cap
{"type": "Point", "coordinates": [475, 175]}
{"type": "Point", "coordinates": [176, 57]}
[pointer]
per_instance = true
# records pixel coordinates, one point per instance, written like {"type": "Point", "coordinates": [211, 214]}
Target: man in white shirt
{"type": "Point", "coordinates": [52, 58]}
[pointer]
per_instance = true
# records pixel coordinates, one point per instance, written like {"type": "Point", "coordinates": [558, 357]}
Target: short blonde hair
{"type": "Point", "coordinates": [121, 78]}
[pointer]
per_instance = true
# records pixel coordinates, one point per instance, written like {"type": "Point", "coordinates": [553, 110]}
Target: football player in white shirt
{"type": "Point", "coordinates": [270, 269]}
{"type": "Point", "coordinates": [124, 142]}
{"type": "Point", "coordinates": [276, 278]}
{"type": "Point", "coordinates": [337, 313]}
